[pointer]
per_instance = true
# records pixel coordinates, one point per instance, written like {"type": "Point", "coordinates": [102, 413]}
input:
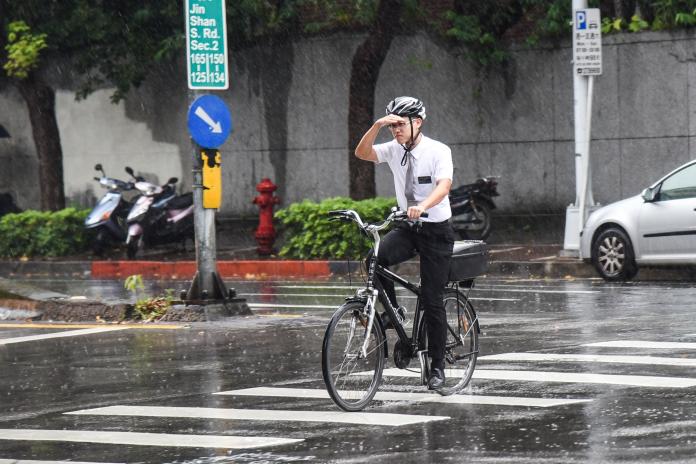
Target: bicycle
{"type": "Point", "coordinates": [355, 346]}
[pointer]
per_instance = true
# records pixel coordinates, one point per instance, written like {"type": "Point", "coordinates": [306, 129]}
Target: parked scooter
{"type": "Point", "coordinates": [471, 208]}
{"type": "Point", "coordinates": [108, 218]}
{"type": "Point", "coordinates": [158, 216]}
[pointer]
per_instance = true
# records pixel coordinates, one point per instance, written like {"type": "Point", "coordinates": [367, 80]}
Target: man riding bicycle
{"type": "Point", "coordinates": [422, 170]}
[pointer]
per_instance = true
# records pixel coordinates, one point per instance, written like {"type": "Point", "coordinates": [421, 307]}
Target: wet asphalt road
{"type": "Point", "coordinates": [630, 402]}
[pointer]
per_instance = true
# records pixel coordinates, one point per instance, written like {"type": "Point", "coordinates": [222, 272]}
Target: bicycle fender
{"type": "Point", "coordinates": [478, 326]}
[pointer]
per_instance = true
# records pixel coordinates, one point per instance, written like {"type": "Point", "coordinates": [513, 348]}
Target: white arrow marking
{"type": "Point", "coordinates": [214, 126]}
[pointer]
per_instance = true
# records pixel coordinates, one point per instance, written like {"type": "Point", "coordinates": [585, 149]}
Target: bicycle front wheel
{"type": "Point", "coordinates": [462, 347]}
{"type": "Point", "coordinates": [351, 377]}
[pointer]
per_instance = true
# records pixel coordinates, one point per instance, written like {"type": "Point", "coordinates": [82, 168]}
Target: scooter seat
{"type": "Point", "coordinates": [182, 201]}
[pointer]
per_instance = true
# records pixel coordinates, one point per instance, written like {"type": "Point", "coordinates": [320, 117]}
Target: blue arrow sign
{"type": "Point", "coordinates": [209, 121]}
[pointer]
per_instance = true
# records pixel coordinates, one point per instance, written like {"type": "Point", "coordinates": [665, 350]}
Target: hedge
{"type": "Point", "coordinates": [308, 233]}
{"type": "Point", "coordinates": [43, 233]}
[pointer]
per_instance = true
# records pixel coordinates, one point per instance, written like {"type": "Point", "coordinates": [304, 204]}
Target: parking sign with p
{"type": "Point", "coordinates": [581, 20]}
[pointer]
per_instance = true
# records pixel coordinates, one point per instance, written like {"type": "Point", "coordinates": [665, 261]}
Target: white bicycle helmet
{"type": "Point", "coordinates": [407, 107]}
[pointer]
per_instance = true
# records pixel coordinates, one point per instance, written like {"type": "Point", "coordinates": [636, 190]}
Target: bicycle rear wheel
{"type": "Point", "coordinates": [351, 378]}
{"type": "Point", "coordinates": [462, 342]}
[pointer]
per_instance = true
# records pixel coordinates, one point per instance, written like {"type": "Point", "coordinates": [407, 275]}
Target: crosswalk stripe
{"type": "Point", "coordinates": [326, 295]}
{"type": "Point", "coordinates": [540, 357]}
{"type": "Point", "coordinates": [67, 333]}
{"type": "Point", "coordinates": [413, 397]}
{"type": "Point", "coordinates": [645, 344]}
{"type": "Point", "coordinates": [561, 377]}
{"type": "Point", "coordinates": [365, 418]}
{"type": "Point", "coordinates": [24, 461]}
{"type": "Point", "coordinates": [144, 439]}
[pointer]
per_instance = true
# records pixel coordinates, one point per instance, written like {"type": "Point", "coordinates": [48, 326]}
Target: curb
{"type": "Point", "coordinates": [319, 270]}
{"type": "Point", "coordinates": [266, 269]}
{"type": "Point", "coordinates": [228, 269]}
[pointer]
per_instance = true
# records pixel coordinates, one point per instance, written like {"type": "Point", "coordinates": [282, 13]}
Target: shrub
{"type": "Point", "coordinates": [43, 233]}
{"type": "Point", "coordinates": [148, 308]}
{"type": "Point", "coordinates": [308, 233]}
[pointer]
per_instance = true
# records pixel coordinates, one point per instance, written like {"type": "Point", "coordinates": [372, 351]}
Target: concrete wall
{"type": "Point", "coordinates": [289, 109]}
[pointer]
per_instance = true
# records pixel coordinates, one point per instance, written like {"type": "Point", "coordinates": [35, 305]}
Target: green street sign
{"type": "Point", "coordinates": [206, 44]}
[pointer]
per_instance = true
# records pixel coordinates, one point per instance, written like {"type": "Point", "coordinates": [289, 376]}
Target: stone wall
{"type": "Point", "coordinates": [289, 107]}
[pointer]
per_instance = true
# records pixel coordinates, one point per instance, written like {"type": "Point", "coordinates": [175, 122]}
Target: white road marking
{"type": "Point", "coordinates": [144, 439]}
{"type": "Point", "coordinates": [413, 397]}
{"type": "Point", "coordinates": [527, 290]}
{"type": "Point", "coordinates": [494, 251]}
{"type": "Point", "coordinates": [540, 357]}
{"type": "Point", "coordinates": [23, 461]}
{"type": "Point", "coordinates": [344, 287]}
{"type": "Point", "coordinates": [313, 306]}
{"type": "Point", "coordinates": [645, 344]}
{"type": "Point", "coordinates": [327, 295]}
{"type": "Point", "coordinates": [365, 418]}
{"type": "Point", "coordinates": [67, 333]}
{"type": "Point", "coordinates": [297, 306]}
{"type": "Point", "coordinates": [562, 377]}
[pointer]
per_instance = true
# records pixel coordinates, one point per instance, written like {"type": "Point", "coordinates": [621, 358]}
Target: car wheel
{"type": "Point", "coordinates": [612, 255]}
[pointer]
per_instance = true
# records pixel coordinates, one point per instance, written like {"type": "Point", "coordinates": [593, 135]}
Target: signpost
{"type": "Point", "coordinates": [587, 42]}
{"type": "Point", "coordinates": [209, 123]}
{"type": "Point", "coordinates": [587, 63]}
{"type": "Point", "coordinates": [206, 45]}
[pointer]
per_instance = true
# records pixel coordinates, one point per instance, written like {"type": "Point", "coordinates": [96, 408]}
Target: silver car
{"type": "Point", "coordinates": [656, 227]}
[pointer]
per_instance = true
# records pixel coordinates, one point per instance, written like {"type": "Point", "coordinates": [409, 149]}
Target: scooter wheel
{"type": "Point", "coordinates": [100, 243]}
{"type": "Point", "coordinates": [132, 249]}
{"type": "Point", "coordinates": [479, 230]}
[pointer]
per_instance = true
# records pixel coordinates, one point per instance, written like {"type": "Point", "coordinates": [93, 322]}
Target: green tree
{"type": "Point", "coordinates": [365, 67]}
{"type": "Point", "coordinates": [105, 42]}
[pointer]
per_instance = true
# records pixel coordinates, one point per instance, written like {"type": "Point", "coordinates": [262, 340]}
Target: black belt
{"type": "Point", "coordinates": [427, 225]}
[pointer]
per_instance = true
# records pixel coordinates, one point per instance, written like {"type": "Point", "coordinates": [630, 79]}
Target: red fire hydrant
{"type": "Point", "coordinates": [265, 234]}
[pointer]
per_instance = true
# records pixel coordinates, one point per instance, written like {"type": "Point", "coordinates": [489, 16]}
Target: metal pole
{"type": "Point", "coordinates": [204, 223]}
{"type": "Point", "coordinates": [586, 191]}
{"type": "Point", "coordinates": [204, 227]}
{"type": "Point", "coordinates": [571, 242]}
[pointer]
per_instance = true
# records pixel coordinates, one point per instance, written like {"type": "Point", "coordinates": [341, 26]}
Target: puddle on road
{"type": "Point", "coordinates": [9, 314]}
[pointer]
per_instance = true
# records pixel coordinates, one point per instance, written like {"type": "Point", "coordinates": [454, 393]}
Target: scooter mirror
{"type": "Point", "coordinates": [173, 180]}
{"type": "Point", "coordinates": [129, 170]}
{"type": "Point", "coordinates": [97, 167]}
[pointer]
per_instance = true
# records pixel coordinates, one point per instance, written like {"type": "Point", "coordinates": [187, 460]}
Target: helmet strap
{"type": "Point", "coordinates": [409, 146]}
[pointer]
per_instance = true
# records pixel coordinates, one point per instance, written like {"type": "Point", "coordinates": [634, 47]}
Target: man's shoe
{"type": "Point", "coordinates": [437, 379]}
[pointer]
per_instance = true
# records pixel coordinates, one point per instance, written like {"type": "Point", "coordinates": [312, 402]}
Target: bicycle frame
{"type": "Point", "coordinates": [374, 291]}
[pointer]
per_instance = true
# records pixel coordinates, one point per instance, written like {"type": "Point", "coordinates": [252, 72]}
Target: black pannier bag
{"type": "Point", "coordinates": [469, 260]}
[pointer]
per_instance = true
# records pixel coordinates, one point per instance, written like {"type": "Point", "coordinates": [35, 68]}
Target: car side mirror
{"type": "Point", "coordinates": [649, 194]}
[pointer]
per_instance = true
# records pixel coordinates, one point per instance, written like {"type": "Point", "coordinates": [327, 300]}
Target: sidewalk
{"type": "Point", "coordinates": [520, 247]}
{"type": "Point", "coordinates": [520, 261]}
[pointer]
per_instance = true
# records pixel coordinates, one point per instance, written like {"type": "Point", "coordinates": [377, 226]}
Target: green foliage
{"type": "Point", "coordinates": [112, 43]}
{"type": "Point", "coordinates": [43, 233]}
{"type": "Point", "coordinates": [23, 49]}
{"type": "Point", "coordinates": [674, 13]}
{"type": "Point", "coordinates": [637, 24]}
{"type": "Point", "coordinates": [326, 15]}
{"type": "Point", "coordinates": [310, 234]}
{"type": "Point", "coordinates": [148, 308]}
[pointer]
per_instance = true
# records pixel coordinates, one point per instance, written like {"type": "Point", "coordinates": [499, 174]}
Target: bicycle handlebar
{"type": "Point", "coordinates": [351, 215]}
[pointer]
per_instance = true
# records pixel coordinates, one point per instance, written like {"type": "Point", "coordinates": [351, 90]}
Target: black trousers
{"type": "Point", "coordinates": [433, 241]}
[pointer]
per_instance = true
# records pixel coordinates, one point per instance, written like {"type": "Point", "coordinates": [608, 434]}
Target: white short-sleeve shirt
{"type": "Point", "coordinates": [432, 162]}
